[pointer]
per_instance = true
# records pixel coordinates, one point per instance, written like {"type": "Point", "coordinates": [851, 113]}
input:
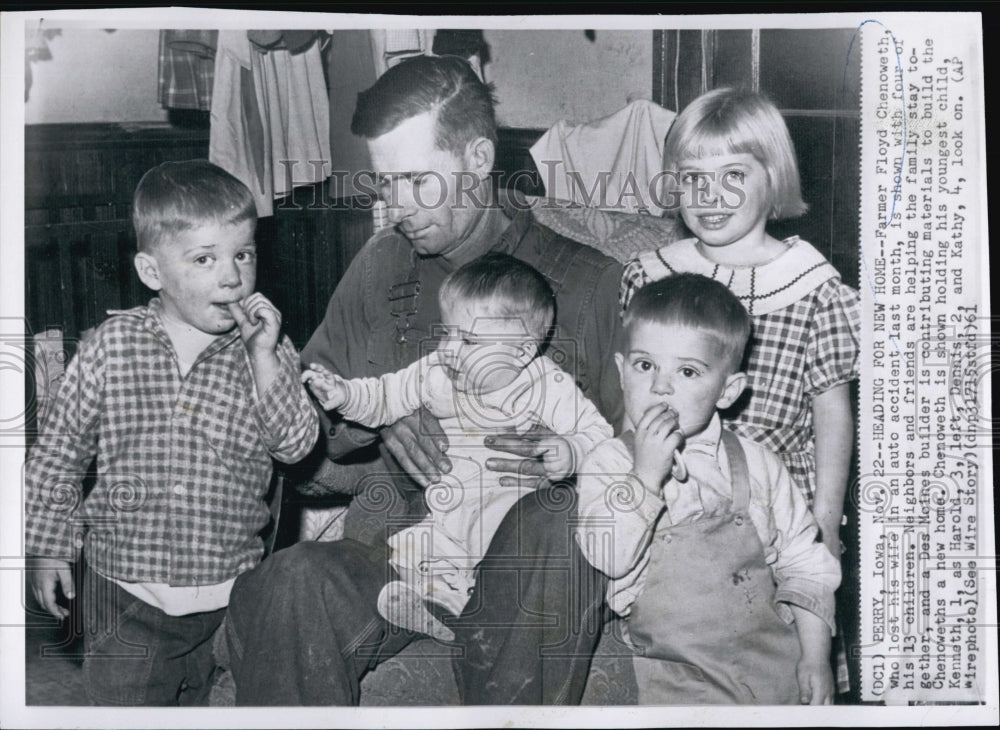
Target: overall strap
{"type": "Point", "coordinates": [739, 473]}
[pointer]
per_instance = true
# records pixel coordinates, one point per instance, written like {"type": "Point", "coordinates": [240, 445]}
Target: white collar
{"type": "Point", "coordinates": [762, 289]}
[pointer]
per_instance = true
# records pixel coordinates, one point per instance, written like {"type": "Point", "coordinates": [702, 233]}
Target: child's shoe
{"type": "Point", "coordinates": [400, 604]}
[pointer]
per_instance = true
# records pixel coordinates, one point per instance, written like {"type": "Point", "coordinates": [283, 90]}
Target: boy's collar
{"type": "Point", "coordinates": [153, 321]}
{"type": "Point", "coordinates": [709, 439]}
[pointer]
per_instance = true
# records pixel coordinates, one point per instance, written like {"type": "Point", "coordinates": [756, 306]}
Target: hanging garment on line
{"type": "Point", "coordinates": [609, 163]}
{"type": "Point", "coordinates": [186, 68]}
{"type": "Point", "coordinates": [270, 117]}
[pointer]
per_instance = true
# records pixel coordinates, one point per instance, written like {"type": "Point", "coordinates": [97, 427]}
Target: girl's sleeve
{"type": "Point", "coordinates": [834, 338]}
{"type": "Point", "coordinates": [633, 277]}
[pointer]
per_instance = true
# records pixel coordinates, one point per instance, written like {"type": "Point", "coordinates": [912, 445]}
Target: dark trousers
{"type": "Point", "coordinates": [135, 654]}
{"type": "Point", "coordinates": [303, 627]}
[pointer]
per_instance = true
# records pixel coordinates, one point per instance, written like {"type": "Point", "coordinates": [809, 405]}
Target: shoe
{"type": "Point", "coordinates": [399, 604]}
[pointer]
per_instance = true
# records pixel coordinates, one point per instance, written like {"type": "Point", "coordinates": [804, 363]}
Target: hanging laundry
{"type": "Point", "coordinates": [610, 163]}
{"type": "Point", "coordinates": [186, 68]}
{"type": "Point", "coordinates": [270, 119]}
{"type": "Point", "coordinates": [390, 46]}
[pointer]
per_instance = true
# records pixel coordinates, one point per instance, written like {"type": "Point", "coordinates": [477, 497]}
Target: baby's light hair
{"type": "Point", "coordinates": [178, 196]}
{"type": "Point", "coordinates": [509, 287]}
{"type": "Point", "coordinates": [695, 301]}
{"type": "Point", "coordinates": [735, 121]}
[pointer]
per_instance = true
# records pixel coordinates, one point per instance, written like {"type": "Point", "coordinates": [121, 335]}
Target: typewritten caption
{"type": "Point", "coordinates": [924, 506]}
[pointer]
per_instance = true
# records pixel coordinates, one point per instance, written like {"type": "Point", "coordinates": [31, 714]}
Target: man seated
{"type": "Point", "coordinates": [304, 627]}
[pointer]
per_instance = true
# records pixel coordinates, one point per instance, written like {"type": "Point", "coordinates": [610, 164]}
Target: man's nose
{"type": "Point", "coordinates": [400, 204]}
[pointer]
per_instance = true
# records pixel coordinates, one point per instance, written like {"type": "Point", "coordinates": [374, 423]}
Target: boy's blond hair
{"type": "Point", "coordinates": [736, 121]}
{"type": "Point", "coordinates": [695, 301]}
{"type": "Point", "coordinates": [178, 196]}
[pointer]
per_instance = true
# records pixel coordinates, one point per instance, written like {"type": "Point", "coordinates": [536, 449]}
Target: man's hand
{"type": "Point", "coordinates": [418, 444]}
{"type": "Point", "coordinates": [657, 437]}
{"type": "Point", "coordinates": [45, 576]}
{"type": "Point", "coordinates": [544, 456]}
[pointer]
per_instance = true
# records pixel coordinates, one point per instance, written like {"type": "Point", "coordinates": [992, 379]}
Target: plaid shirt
{"type": "Point", "coordinates": [187, 68]}
{"type": "Point", "coordinates": [797, 351]}
{"type": "Point", "coordinates": [183, 464]}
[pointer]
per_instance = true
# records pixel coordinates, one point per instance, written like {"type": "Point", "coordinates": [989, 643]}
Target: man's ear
{"type": "Point", "coordinates": [735, 384]}
{"type": "Point", "coordinates": [148, 270]}
{"type": "Point", "coordinates": [480, 154]}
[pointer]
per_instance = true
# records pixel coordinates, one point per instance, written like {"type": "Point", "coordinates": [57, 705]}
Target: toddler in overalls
{"type": "Point", "coordinates": [711, 550]}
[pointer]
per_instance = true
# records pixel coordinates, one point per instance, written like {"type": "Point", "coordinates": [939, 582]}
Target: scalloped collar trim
{"type": "Point", "coordinates": [762, 289]}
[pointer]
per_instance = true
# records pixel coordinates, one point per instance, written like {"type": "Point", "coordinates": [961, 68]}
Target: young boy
{"type": "Point", "coordinates": [728, 598]}
{"type": "Point", "coordinates": [183, 402]}
{"type": "Point", "coordinates": [486, 377]}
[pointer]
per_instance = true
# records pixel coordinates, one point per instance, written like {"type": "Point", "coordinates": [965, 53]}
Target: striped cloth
{"type": "Point", "coordinates": [183, 464]}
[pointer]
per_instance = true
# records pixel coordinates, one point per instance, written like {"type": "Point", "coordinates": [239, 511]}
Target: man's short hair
{"type": "Point", "coordinates": [446, 85]}
{"type": "Point", "coordinates": [178, 196]}
{"type": "Point", "coordinates": [509, 287]}
{"type": "Point", "coordinates": [738, 121]}
{"type": "Point", "coordinates": [695, 301]}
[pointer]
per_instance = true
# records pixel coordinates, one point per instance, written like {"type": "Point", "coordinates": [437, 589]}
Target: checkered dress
{"type": "Point", "coordinates": [183, 464]}
{"type": "Point", "coordinates": [806, 331]}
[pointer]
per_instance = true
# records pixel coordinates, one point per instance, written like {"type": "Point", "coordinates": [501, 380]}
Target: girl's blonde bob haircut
{"type": "Point", "coordinates": [736, 121]}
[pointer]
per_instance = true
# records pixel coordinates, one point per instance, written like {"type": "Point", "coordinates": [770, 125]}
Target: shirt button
{"type": "Point", "coordinates": [738, 520]}
{"type": "Point", "coordinates": [179, 489]}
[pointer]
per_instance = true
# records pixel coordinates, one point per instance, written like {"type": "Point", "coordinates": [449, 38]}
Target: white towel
{"type": "Point", "coordinates": [609, 163]}
{"type": "Point", "coordinates": [270, 118]}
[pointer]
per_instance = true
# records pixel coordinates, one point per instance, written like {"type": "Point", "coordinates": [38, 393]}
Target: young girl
{"type": "Point", "coordinates": [731, 167]}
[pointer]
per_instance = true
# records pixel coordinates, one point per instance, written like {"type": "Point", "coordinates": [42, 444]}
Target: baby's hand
{"type": "Point", "coordinates": [329, 390]}
{"type": "Point", "coordinates": [259, 323]}
{"type": "Point", "coordinates": [657, 437]}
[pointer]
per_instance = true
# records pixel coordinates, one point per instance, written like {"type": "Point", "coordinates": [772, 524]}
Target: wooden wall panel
{"type": "Point", "coordinates": [79, 181]}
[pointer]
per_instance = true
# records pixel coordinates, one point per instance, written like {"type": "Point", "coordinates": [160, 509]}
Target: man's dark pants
{"type": "Point", "coordinates": [303, 626]}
